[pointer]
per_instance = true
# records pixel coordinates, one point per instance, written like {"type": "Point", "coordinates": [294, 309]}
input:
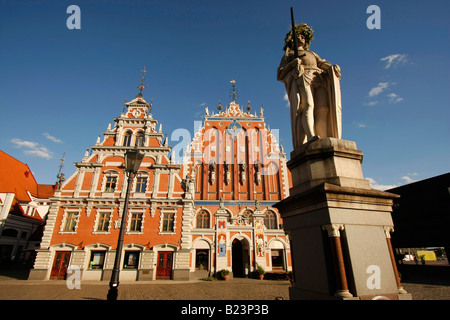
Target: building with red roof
{"type": "Point", "coordinates": [23, 207]}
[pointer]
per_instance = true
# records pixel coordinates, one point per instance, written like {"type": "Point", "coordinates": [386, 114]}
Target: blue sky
{"type": "Point", "coordinates": [60, 88]}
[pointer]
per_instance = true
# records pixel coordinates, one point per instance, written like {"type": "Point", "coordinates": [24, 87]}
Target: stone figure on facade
{"type": "Point", "coordinates": [313, 90]}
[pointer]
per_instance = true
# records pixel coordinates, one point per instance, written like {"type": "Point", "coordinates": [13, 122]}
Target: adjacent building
{"type": "Point", "coordinates": [23, 207]}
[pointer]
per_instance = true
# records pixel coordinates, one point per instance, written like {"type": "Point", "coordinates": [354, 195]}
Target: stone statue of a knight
{"type": "Point", "coordinates": [313, 89]}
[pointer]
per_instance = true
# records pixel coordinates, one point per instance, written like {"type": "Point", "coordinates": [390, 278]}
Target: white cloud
{"type": "Point", "coordinates": [286, 98]}
{"type": "Point", "coordinates": [382, 187]}
{"type": "Point", "coordinates": [408, 179]}
{"type": "Point", "coordinates": [23, 143]}
{"type": "Point", "coordinates": [52, 138]}
{"type": "Point", "coordinates": [34, 149]}
{"type": "Point", "coordinates": [379, 88]}
{"type": "Point", "coordinates": [41, 152]}
{"type": "Point", "coordinates": [359, 124]}
{"type": "Point", "coordinates": [394, 60]}
{"type": "Point", "coordinates": [394, 98]}
{"type": "Point", "coordinates": [371, 103]}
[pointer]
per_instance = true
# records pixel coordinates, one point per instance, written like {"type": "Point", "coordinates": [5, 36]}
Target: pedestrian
{"type": "Point", "coordinates": [422, 259]}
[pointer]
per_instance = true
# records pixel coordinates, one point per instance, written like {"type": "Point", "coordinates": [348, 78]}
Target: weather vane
{"type": "Point", "coordinates": [124, 105]}
{"type": "Point", "coordinates": [233, 94]}
{"type": "Point", "coordinates": [60, 175]}
{"type": "Point", "coordinates": [141, 85]}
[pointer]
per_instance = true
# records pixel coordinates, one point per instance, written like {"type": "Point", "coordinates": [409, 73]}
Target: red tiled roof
{"type": "Point", "coordinates": [16, 177]}
{"type": "Point", "coordinates": [45, 190]}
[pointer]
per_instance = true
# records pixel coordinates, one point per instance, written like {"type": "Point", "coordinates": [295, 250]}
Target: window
{"type": "Point", "coordinates": [277, 259]}
{"type": "Point", "coordinates": [198, 177]}
{"type": "Point", "coordinates": [10, 233]}
{"type": "Point", "coordinates": [168, 221]}
{"type": "Point", "coordinates": [71, 221]}
{"type": "Point", "coordinates": [273, 178]}
{"type": "Point", "coordinates": [139, 139]}
{"type": "Point", "coordinates": [97, 260]}
{"type": "Point", "coordinates": [141, 184]}
{"type": "Point", "coordinates": [127, 139]}
{"type": "Point", "coordinates": [201, 259]}
{"type": "Point", "coordinates": [110, 184]}
{"type": "Point", "coordinates": [202, 220]}
{"type": "Point", "coordinates": [136, 222]}
{"type": "Point", "coordinates": [131, 260]}
{"type": "Point", "coordinates": [270, 220]}
{"type": "Point", "coordinates": [103, 221]}
{"type": "Point", "coordinates": [248, 217]}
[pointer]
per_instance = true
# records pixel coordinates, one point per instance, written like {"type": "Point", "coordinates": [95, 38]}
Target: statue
{"type": "Point", "coordinates": [257, 205]}
{"type": "Point", "coordinates": [313, 89]}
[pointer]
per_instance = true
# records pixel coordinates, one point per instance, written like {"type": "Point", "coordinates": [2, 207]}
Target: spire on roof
{"type": "Point", "coordinates": [141, 85]}
{"type": "Point", "coordinates": [248, 106]}
{"type": "Point", "coordinates": [233, 94]}
{"type": "Point", "coordinates": [60, 175]}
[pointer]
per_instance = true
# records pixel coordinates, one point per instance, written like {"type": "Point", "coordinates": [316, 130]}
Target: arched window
{"type": "Point", "coordinates": [202, 220]}
{"type": "Point", "coordinates": [139, 139]}
{"type": "Point", "coordinates": [248, 217]}
{"type": "Point", "coordinates": [127, 139]}
{"type": "Point", "coordinates": [10, 233]}
{"type": "Point", "coordinates": [270, 220]}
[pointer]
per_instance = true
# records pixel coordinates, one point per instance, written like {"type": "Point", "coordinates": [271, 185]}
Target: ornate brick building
{"type": "Point", "coordinates": [184, 221]}
{"type": "Point", "coordinates": [239, 170]}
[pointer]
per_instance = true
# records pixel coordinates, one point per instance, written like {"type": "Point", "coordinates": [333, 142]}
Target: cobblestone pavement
{"type": "Point", "coordinates": [421, 291]}
{"type": "Point", "coordinates": [422, 283]}
{"type": "Point", "coordinates": [234, 289]}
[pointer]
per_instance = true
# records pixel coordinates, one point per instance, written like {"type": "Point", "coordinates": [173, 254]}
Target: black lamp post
{"type": "Point", "coordinates": [133, 161]}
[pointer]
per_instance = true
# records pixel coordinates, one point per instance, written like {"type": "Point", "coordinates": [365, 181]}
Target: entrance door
{"type": "Point", "coordinates": [202, 259]}
{"type": "Point", "coordinates": [60, 265]}
{"type": "Point", "coordinates": [237, 258]}
{"type": "Point", "coordinates": [164, 269]}
{"type": "Point", "coordinates": [277, 259]}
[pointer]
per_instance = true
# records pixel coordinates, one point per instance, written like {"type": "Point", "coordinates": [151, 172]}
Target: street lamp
{"type": "Point", "coordinates": [133, 161]}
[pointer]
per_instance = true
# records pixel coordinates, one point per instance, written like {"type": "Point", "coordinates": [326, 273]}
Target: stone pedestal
{"type": "Point", "coordinates": [339, 227]}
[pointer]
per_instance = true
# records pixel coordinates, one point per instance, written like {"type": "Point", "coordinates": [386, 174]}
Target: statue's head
{"type": "Point", "coordinates": [302, 31]}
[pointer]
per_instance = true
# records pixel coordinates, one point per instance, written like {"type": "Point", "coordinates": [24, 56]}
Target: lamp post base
{"type": "Point", "coordinates": [113, 292]}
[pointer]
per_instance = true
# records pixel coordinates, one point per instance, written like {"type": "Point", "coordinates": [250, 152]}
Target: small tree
{"type": "Point", "coordinates": [260, 270]}
{"type": "Point", "coordinates": [224, 273]}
